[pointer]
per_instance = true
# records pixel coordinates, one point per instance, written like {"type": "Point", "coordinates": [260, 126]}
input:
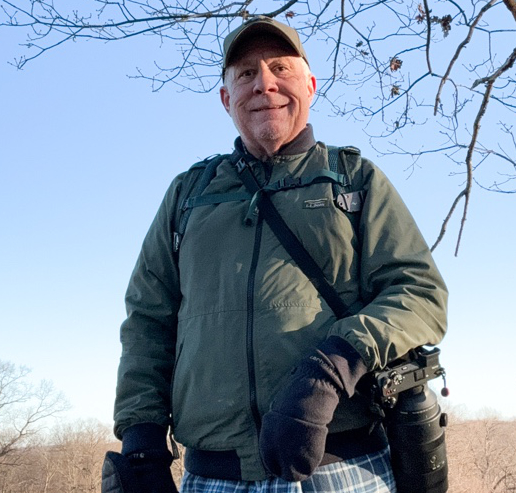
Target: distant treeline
{"type": "Point", "coordinates": [68, 459]}
{"type": "Point", "coordinates": [39, 456]}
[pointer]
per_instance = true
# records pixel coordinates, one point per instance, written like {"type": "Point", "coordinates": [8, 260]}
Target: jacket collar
{"type": "Point", "coordinates": [302, 143]}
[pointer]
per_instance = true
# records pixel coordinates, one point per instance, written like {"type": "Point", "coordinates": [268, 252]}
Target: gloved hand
{"type": "Point", "coordinates": [139, 468]}
{"type": "Point", "coordinates": [294, 430]}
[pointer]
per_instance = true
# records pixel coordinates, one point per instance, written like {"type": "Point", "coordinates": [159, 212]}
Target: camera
{"type": "Point", "coordinates": [414, 421]}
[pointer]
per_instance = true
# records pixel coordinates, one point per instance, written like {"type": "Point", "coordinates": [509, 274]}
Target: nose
{"type": "Point", "coordinates": [265, 81]}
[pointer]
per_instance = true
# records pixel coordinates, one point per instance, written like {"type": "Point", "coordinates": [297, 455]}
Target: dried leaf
{"type": "Point", "coordinates": [395, 90]}
{"type": "Point", "coordinates": [446, 24]}
{"type": "Point", "coordinates": [395, 64]}
{"type": "Point", "coordinates": [422, 14]}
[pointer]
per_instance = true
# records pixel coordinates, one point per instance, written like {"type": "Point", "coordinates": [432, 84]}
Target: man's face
{"type": "Point", "coordinates": [268, 90]}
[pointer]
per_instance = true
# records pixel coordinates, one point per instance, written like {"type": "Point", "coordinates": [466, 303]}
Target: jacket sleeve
{"type": "Point", "coordinates": [148, 335]}
{"type": "Point", "coordinates": [404, 296]}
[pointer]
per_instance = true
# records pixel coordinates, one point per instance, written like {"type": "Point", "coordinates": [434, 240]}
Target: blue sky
{"type": "Point", "coordinates": [86, 155]}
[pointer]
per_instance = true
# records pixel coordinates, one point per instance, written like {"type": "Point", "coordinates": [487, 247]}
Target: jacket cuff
{"type": "Point", "coordinates": [346, 360]}
{"type": "Point", "coordinates": [144, 436]}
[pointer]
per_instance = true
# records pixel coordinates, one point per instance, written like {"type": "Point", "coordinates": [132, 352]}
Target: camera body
{"type": "Point", "coordinates": [414, 421]}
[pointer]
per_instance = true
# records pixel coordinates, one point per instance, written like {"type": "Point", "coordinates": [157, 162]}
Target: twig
{"type": "Point", "coordinates": [285, 7]}
{"type": "Point", "coordinates": [490, 81]}
{"type": "Point", "coordinates": [327, 86]}
{"type": "Point", "coordinates": [503, 68]}
{"type": "Point", "coordinates": [461, 46]}
{"type": "Point", "coordinates": [447, 220]}
{"type": "Point", "coordinates": [428, 35]}
{"type": "Point", "coordinates": [469, 160]}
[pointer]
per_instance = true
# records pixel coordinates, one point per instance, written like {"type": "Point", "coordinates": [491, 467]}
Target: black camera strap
{"type": "Point", "coordinates": [290, 242]}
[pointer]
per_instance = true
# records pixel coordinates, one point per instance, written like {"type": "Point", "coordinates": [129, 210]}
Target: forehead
{"type": "Point", "coordinates": [253, 47]}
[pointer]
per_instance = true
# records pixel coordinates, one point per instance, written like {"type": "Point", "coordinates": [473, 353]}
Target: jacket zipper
{"type": "Point", "coordinates": [250, 326]}
{"type": "Point", "coordinates": [251, 370]}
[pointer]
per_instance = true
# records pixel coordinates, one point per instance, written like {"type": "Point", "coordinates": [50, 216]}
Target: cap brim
{"type": "Point", "coordinates": [233, 42]}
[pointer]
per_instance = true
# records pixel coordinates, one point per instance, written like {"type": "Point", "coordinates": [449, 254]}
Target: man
{"type": "Point", "coordinates": [215, 329]}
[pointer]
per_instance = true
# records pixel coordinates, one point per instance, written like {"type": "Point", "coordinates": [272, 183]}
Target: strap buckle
{"type": "Point", "coordinates": [289, 182]}
{"type": "Point", "coordinates": [240, 165]}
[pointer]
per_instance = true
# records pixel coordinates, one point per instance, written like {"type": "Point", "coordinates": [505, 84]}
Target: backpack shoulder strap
{"type": "Point", "coordinates": [348, 161]}
{"type": "Point", "coordinates": [197, 178]}
{"type": "Point", "coordinates": [349, 198]}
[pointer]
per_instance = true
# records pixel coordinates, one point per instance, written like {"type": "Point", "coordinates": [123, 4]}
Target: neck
{"type": "Point", "coordinates": [265, 151]}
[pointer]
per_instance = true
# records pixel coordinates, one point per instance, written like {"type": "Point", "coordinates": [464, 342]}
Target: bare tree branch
{"type": "Point", "coordinates": [511, 6]}
{"type": "Point", "coordinates": [428, 35]}
{"type": "Point", "coordinates": [461, 46]}
{"type": "Point", "coordinates": [22, 407]}
{"type": "Point", "coordinates": [383, 62]}
{"type": "Point", "coordinates": [489, 81]}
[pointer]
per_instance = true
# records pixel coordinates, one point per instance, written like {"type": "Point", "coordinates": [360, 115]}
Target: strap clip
{"type": "Point", "coordinates": [350, 202]}
{"type": "Point", "coordinates": [176, 241]}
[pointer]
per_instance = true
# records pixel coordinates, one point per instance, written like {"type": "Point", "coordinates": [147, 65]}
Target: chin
{"type": "Point", "coordinates": [271, 133]}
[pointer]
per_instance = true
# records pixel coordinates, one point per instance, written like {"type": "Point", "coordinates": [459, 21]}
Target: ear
{"type": "Point", "coordinates": [224, 97]}
{"type": "Point", "coordinates": [312, 86]}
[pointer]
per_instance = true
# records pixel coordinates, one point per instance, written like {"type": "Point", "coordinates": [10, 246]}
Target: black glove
{"type": "Point", "coordinates": [294, 430]}
{"type": "Point", "coordinates": [139, 468]}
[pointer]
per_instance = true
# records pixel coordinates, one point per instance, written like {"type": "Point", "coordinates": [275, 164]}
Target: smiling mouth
{"type": "Point", "coordinates": [269, 108]}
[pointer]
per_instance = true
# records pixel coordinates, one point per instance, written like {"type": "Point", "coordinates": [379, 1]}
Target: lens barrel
{"type": "Point", "coordinates": [415, 428]}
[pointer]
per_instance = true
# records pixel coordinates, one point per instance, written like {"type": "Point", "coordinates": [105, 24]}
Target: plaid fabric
{"type": "Point", "coordinates": [370, 473]}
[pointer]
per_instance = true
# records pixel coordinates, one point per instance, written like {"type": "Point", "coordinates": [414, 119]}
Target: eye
{"type": "Point", "coordinates": [246, 74]}
{"type": "Point", "coordinates": [280, 69]}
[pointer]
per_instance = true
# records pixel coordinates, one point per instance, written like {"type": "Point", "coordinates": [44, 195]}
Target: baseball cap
{"type": "Point", "coordinates": [261, 24]}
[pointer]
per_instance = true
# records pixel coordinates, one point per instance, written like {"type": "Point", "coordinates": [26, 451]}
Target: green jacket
{"type": "Point", "coordinates": [209, 339]}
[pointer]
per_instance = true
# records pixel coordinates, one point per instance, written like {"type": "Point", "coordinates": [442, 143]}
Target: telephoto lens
{"type": "Point", "coordinates": [415, 427]}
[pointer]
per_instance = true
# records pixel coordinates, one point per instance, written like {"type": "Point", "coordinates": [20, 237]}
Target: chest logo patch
{"type": "Point", "coordinates": [315, 203]}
